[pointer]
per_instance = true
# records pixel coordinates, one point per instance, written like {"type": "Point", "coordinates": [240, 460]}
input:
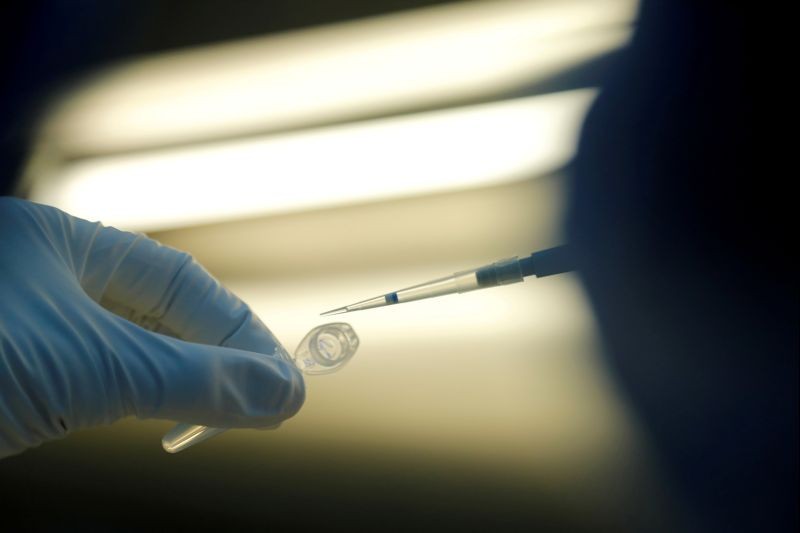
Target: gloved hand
{"type": "Point", "coordinates": [97, 324]}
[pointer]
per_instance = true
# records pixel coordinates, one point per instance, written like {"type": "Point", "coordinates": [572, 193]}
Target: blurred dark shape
{"type": "Point", "coordinates": [681, 222]}
{"type": "Point", "coordinates": [45, 46]}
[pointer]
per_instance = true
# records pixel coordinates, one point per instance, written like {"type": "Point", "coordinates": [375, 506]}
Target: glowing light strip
{"type": "Point", "coordinates": [387, 158]}
{"type": "Point", "coordinates": [354, 70]}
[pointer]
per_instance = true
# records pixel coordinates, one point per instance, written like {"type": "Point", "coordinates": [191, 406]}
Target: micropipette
{"type": "Point", "coordinates": [544, 263]}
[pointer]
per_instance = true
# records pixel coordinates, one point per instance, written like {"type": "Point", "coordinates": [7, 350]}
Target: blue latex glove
{"type": "Point", "coordinates": [91, 322]}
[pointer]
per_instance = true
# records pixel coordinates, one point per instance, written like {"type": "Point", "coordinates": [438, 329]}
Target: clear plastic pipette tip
{"type": "Point", "coordinates": [378, 301]}
{"type": "Point", "coordinates": [336, 311]}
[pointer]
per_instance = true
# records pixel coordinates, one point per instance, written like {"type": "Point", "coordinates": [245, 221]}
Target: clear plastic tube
{"type": "Point", "coordinates": [324, 349]}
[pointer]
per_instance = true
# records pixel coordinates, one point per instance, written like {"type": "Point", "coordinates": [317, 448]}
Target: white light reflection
{"type": "Point", "coordinates": [385, 158]}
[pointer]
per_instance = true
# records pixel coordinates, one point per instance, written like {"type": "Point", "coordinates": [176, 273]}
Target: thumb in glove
{"type": "Point", "coordinates": [97, 324]}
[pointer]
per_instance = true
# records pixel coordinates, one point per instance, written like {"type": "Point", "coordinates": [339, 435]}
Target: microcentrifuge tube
{"type": "Point", "coordinates": [324, 349]}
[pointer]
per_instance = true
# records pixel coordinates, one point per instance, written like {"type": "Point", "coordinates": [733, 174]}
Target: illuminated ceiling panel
{"type": "Point", "coordinates": [417, 154]}
{"type": "Point", "coordinates": [398, 63]}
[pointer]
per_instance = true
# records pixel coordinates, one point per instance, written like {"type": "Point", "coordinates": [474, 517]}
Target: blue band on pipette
{"type": "Point", "coordinates": [391, 298]}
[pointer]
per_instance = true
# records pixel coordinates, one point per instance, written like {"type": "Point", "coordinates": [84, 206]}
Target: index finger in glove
{"type": "Point", "coordinates": [168, 291]}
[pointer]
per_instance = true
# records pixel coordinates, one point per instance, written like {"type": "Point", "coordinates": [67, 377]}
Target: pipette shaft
{"type": "Point", "coordinates": [544, 263]}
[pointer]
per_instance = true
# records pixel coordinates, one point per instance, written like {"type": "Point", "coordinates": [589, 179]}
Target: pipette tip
{"type": "Point", "coordinates": [334, 311]}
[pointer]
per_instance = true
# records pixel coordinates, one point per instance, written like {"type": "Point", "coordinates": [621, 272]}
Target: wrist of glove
{"type": "Point", "coordinates": [97, 324]}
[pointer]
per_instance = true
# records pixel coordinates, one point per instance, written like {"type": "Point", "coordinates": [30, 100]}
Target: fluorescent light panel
{"type": "Point", "coordinates": [387, 158]}
{"type": "Point", "coordinates": [396, 63]}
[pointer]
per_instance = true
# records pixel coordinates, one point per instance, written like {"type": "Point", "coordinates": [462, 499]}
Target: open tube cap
{"type": "Point", "coordinates": [326, 348]}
